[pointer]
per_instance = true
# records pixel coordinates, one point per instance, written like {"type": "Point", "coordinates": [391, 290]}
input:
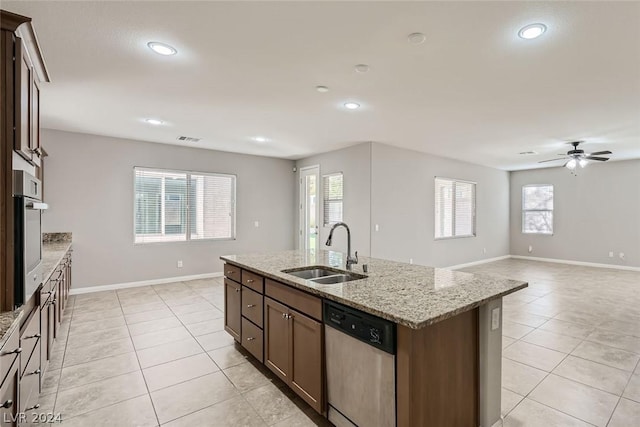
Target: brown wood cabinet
{"type": "Point", "coordinates": [294, 351]}
{"type": "Point", "coordinates": [9, 397]}
{"type": "Point", "coordinates": [232, 308]}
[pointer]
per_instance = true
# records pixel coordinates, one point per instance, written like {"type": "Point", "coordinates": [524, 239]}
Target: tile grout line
{"type": "Point", "coordinates": [153, 407]}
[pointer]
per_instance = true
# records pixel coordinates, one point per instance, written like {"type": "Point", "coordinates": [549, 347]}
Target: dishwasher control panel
{"type": "Point", "coordinates": [377, 332]}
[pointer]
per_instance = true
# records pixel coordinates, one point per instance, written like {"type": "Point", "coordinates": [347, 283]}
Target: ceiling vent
{"type": "Point", "coordinates": [188, 139]}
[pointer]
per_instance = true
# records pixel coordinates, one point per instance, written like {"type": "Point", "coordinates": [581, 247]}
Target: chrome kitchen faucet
{"type": "Point", "coordinates": [350, 259]}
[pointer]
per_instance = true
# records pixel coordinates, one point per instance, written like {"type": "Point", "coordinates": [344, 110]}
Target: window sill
{"type": "Point", "coordinates": [454, 237]}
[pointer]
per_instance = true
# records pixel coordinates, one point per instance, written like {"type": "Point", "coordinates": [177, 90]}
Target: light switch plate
{"type": "Point", "coordinates": [495, 318]}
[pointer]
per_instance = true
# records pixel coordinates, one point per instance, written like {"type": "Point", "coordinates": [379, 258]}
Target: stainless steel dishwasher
{"type": "Point", "coordinates": [360, 357]}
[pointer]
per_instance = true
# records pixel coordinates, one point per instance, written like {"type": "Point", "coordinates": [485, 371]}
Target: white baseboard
{"type": "Point", "coordinates": [90, 289]}
{"type": "Point", "coordinates": [585, 264]}
{"type": "Point", "coordinates": [482, 261]}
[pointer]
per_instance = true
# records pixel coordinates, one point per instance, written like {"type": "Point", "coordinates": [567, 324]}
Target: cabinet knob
{"type": "Point", "coordinates": [250, 305]}
{"type": "Point", "coordinates": [16, 351]}
{"type": "Point", "coordinates": [237, 289]}
{"type": "Point", "coordinates": [250, 280]}
{"type": "Point", "coordinates": [36, 406]}
{"type": "Point", "coordinates": [7, 404]}
{"type": "Point", "coordinates": [250, 339]}
{"type": "Point", "coordinates": [284, 315]}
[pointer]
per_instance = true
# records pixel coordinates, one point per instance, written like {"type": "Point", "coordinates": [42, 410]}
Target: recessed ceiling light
{"type": "Point", "coordinates": [351, 105]}
{"type": "Point", "coordinates": [416, 38]}
{"type": "Point", "coordinates": [260, 139]}
{"type": "Point", "coordinates": [162, 49]}
{"type": "Point", "coordinates": [532, 31]}
{"type": "Point", "coordinates": [154, 121]}
{"type": "Point", "coordinates": [322, 89]}
{"type": "Point", "coordinates": [362, 68]}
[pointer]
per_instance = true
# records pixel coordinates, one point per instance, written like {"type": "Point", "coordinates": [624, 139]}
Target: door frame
{"type": "Point", "coordinates": [302, 198]}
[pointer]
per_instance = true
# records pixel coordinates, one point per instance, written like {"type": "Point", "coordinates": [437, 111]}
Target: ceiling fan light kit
{"type": "Point", "coordinates": [577, 157]}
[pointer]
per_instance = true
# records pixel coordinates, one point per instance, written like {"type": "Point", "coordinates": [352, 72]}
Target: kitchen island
{"type": "Point", "coordinates": [448, 327]}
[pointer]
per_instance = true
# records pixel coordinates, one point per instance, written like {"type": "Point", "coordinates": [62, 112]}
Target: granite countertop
{"type": "Point", "coordinates": [52, 254]}
{"type": "Point", "coordinates": [407, 294]}
{"type": "Point", "coordinates": [54, 248]}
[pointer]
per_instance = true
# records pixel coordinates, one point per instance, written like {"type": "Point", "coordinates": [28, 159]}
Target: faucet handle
{"type": "Point", "coordinates": [355, 261]}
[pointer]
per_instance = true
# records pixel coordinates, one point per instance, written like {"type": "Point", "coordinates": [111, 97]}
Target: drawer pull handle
{"type": "Point", "coordinates": [250, 339]}
{"type": "Point", "coordinates": [250, 305]}
{"type": "Point", "coordinates": [36, 406]}
{"type": "Point", "coordinates": [250, 280]}
{"type": "Point", "coordinates": [37, 371]}
{"type": "Point", "coordinates": [7, 404]}
{"type": "Point", "coordinates": [16, 351]}
{"type": "Point", "coordinates": [230, 272]}
{"type": "Point", "coordinates": [32, 336]}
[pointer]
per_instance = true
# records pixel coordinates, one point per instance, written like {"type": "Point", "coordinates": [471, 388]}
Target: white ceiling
{"type": "Point", "coordinates": [473, 91]}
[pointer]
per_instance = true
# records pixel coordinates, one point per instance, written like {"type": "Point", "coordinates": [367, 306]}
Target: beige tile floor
{"type": "Point", "coordinates": [571, 345]}
{"type": "Point", "coordinates": [158, 355]}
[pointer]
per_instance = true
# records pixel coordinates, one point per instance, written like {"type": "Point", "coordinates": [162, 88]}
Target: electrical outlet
{"type": "Point", "coordinates": [180, 264]}
{"type": "Point", "coordinates": [611, 254]}
{"type": "Point", "coordinates": [495, 318]}
{"type": "Point", "coordinates": [256, 224]}
{"type": "Point", "coordinates": [530, 248]}
{"type": "Point", "coordinates": [621, 255]}
{"type": "Point", "coordinates": [410, 260]}
{"type": "Point", "coordinates": [377, 227]}
{"type": "Point", "coordinates": [484, 250]}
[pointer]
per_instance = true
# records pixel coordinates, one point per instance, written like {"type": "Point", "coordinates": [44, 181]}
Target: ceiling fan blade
{"type": "Point", "coordinates": [600, 159]}
{"type": "Point", "coordinates": [598, 153]}
{"type": "Point", "coordinates": [552, 160]}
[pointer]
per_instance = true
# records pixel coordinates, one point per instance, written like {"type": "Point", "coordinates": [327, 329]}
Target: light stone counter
{"type": "Point", "coordinates": [408, 294]}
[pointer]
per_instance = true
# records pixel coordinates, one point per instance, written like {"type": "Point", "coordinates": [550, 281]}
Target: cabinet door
{"type": "Point", "coordinates": [276, 338]}
{"type": "Point", "coordinates": [306, 359]}
{"type": "Point", "coordinates": [23, 82]}
{"type": "Point", "coordinates": [232, 308]}
{"type": "Point", "coordinates": [9, 397]}
{"type": "Point", "coordinates": [45, 352]}
{"type": "Point", "coordinates": [35, 120]}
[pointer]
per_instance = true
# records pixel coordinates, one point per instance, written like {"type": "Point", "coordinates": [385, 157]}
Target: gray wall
{"type": "Point", "coordinates": [402, 204]}
{"type": "Point", "coordinates": [596, 212]}
{"type": "Point", "coordinates": [355, 164]}
{"type": "Point", "coordinates": [394, 188]}
{"type": "Point", "coordinates": [89, 186]}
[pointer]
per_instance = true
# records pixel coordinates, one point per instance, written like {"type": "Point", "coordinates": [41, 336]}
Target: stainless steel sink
{"type": "Point", "coordinates": [311, 273]}
{"type": "Point", "coordinates": [324, 275]}
{"type": "Point", "coordinates": [337, 278]}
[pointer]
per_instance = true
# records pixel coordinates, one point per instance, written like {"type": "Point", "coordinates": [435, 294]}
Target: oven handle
{"type": "Point", "coordinates": [37, 206]}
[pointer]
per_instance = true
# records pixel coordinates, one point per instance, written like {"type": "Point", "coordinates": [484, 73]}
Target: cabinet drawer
{"type": "Point", "coordinates": [252, 305]}
{"type": "Point", "coordinates": [30, 382]}
{"type": "Point", "coordinates": [252, 339]}
{"type": "Point", "coordinates": [9, 352]}
{"type": "Point", "coordinates": [232, 272]}
{"type": "Point", "coordinates": [29, 338]}
{"type": "Point", "coordinates": [301, 301]}
{"type": "Point", "coordinates": [252, 280]}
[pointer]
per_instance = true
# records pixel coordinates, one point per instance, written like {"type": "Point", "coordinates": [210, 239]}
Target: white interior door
{"type": "Point", "coordinates": [309, 208]}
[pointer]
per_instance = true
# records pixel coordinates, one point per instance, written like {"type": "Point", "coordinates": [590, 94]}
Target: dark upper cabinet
{"type": "Point", "coordinates": [23, 84]}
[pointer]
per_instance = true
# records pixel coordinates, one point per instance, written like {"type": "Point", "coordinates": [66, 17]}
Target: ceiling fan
{"type": "Point", "coordinates": [577, 157]}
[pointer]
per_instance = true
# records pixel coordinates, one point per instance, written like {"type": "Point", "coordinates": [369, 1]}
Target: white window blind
{"type": "Point", "coordinates": [333, 198]}
{"type": "Point", "coordinates": [455, 208]}
{"type": "Point", "coordinates": [537, 209]}
{"type": "Point", "coordinates": [178, 206]}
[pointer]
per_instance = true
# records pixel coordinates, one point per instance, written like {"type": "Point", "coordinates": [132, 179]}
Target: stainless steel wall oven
{"type": "Point", "coordinates": [27, 195]}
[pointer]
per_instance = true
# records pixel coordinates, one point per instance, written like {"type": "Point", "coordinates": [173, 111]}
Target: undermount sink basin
{"type": "Point", "coordinates": [324, 275]}
{"type": "Point", "coordinates": [311, 273]}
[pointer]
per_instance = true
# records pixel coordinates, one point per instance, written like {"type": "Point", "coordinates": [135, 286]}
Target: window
{"type": "Point", "coordinates": [333, 191]}
{"type": "Point", "coordinates": [174, 206]}
{"type": "Point", "coordinates": [455, 212]}
{"type": "Point", "coordinates": [537, 209]}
